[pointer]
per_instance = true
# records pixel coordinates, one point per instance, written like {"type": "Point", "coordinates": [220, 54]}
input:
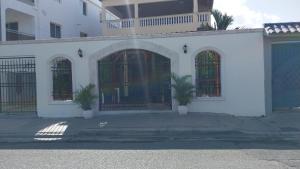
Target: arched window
{"type": "Point", "coordinates": [208, 80]}
{"type": "Point", "coordinates": [62, 87]}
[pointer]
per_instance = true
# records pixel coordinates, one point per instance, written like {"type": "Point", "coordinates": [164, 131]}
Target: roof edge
{"type": "Point", "coordinates": [149, 36]}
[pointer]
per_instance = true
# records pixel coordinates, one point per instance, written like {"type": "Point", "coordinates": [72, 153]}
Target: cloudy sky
{"type": "Point", "coordinates": [253, 13]}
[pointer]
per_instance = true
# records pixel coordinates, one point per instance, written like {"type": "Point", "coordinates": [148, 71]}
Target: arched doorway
{"type": "Point", "coordinates": [134, 79]}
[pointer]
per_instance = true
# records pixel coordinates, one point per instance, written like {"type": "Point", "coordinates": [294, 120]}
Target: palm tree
{"type": "Point", "coordinates": [222, 20]}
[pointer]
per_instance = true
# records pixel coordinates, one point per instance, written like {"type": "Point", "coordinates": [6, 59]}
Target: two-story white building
{"type": "Point", "coordinates": [44, 19]}
{"type": "Point", "coordinates": [141, 43]}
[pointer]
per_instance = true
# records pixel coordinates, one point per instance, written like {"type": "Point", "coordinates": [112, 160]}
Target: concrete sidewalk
{"type": "Point", "coordinates": [135, 127]}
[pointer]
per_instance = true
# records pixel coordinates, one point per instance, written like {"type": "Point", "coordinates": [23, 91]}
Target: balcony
{"type": "Point", "coordinates": [12, 35]}
{"type": "Point", "coordinates": [19, 26]}
{"type": "Point", "coordinates": [156, 24]}
{"type": "Point", "coordinates": [28, 2]}
{"type": "Point", "coordinates": [154, 16]}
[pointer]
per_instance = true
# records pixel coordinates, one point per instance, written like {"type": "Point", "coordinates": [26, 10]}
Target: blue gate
{"type": "Point", "coordinates": [286, 76]}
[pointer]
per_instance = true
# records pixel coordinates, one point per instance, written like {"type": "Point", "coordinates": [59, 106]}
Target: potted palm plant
{"type": "Point", "coordinates": [184, 91]}
{"type": "Point", "coordinates": [85, 98]}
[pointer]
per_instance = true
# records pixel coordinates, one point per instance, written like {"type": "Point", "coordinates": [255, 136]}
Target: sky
{"type": "Point", "coordinates": [253, 13]}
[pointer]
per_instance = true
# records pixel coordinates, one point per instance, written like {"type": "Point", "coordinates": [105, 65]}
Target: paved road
{"type": "Point", "coordinates": [157, 155]}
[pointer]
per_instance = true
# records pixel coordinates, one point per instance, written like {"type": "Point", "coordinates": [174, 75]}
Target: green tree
{"type": "Point", "coordinates": [222, 20]}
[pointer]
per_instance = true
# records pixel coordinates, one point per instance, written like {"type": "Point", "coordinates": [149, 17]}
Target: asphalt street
{"type": "Point", "coordinates": [151, 155]}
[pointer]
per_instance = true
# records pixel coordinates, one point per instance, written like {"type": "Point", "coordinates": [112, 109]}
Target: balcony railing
{"type": "Point", "coordinates": [12, 35]}
{"type": "Point", "coordinates": [29, 2]}
{"type": "Point", "coordinates": [120, 24]}
{"type": "Point", "coordinates": [166, 20]}
{"type": "Point", "coordinates": [158, 24]}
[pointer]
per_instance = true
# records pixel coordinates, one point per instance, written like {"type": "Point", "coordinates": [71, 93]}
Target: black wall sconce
{"type": "Point", "coordinates": [80, 53]}
{"type": "Point", "coordinates": [185, 48]}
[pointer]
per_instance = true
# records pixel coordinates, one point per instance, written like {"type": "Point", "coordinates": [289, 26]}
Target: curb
{"type": "Point", "coordinates": [151, 136]}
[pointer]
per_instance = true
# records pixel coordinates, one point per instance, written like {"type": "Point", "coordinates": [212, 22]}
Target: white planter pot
{"type": "Point", "coordinates": [182, 110]}
{"type": "Point", "coordinates": [87, 114]}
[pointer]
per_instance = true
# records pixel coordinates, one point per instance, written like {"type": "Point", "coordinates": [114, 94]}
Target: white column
{"type": "Point", "coordinates": [136, 16]}
{"type": "Point", "coordinates": [103, 20]}
{"type": "Point", "coordinates": [3, 24]}
{"type": "Point", "coordinates": [136, 10]}
{"type": "Point", "coordinates": [195, 15]}
{"type": "Point", "coordinates": [36, 27]}
{"type": "Point", "coordinates": [103, 14]}
{"type": "Point", "coordinates": [37, 31]}
{"type": "Point", "coordinates": [195, 5]}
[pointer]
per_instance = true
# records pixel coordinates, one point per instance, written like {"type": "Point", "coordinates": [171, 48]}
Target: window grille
{"type": "Point", "coordinates": [55, 30]}
{"type": "Point", "coordinates": [62, 79]}
{"type": "Point", "coordinates": [208, 80]}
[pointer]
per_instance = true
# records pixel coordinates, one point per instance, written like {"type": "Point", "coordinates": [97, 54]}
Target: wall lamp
{"type": "Point", "coordinates": [80, 53]}
{"type": "Point", "coordinates": [185, 48]}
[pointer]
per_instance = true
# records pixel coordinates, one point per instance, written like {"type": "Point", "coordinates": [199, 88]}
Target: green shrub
{"type": "Point", "coordinates": [184, 89]}
{"type": "Point", "coordinates": [85, 98]}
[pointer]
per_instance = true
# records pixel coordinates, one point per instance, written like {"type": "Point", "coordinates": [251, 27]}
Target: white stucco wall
{"type": "Point", "coordinates": [242, 66]}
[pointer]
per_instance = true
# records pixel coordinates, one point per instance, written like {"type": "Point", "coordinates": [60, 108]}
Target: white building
{"type": "Point", "coordinates": [44, 19]}
{"type": "Point", "coordinates": [233, 70]}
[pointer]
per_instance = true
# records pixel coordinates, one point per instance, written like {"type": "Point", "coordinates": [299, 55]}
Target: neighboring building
{"type": "Point", "coordinates": [155, 16]}
{"type": "Point", "coordinates": [44, 19]}
{"type": "Point", "coordinates": [41, 19]}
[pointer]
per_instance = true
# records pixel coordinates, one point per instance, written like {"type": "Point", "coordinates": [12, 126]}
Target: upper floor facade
{"type": "Point", "coordinates": [44, 19]}
{"type": "Point", "coordinates": [155, 16]}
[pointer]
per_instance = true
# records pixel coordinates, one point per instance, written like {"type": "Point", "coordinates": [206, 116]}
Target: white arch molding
{"type": "Point", "coordinates": [130, 44]}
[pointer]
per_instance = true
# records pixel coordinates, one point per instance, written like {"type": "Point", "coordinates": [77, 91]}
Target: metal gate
{"type": "Point", "coordinates": [286, 76]}
{"type": "Point", "coordinates": [17, 85]}
{"type": "Point", "coordinates": [135, 80]}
